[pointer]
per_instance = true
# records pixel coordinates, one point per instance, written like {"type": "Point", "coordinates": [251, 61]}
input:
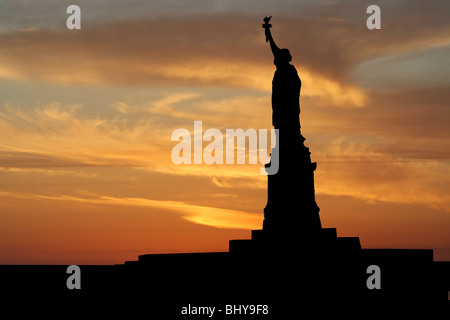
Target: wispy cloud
{"type": "Point", "coordinates": [210, 59]}
{"type": "Point", "coordinates": [55, 136]}
{"type": "Point", "coordinates": [48, 172]}
{"type": "Point", "coordinates": [205, 215]}
{"type": "Point", "coordinates": [391, 181]}
{"type": "Point", "coordinates": [55, 131]}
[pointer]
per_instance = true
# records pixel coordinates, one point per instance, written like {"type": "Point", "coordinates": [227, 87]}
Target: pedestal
{"type": "Point", "coordinates": [291, 200]}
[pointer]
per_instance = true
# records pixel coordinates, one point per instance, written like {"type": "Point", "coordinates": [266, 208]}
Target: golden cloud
{"type": "Point", "coordinates": [206, 215]}
{"type": "Point", "coordinates": [362, 171]}
{"type": "Point", "coordinates": [54, 135]}
{"type": "Point", "coordinates": [119, 54]}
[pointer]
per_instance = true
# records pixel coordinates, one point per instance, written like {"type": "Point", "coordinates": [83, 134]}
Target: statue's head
{"type": "Point", "coordinates": [283, 57]}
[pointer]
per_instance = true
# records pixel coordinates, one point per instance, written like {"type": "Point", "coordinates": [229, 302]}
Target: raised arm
{"type": "Point", "coordinates": [273, 46]}
{"type": "Point", "coordinates": [269, 38]}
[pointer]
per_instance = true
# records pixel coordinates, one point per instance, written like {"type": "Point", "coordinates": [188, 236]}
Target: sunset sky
{"type": "Point", "coordinates": [86, 118]}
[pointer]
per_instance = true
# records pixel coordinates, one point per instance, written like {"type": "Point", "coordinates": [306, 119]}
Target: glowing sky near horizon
{"type": "Point", "coordinates": [86, 118]}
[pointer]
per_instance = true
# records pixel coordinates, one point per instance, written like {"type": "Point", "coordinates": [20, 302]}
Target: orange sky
{"type": "Point", "coordinates": [86, 118]}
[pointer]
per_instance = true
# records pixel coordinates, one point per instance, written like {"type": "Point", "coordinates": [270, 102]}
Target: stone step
{"type": "Point", "coordinates": [326, 239]}
{"type": "Point", "coordinates": [241, 246]}
{"type": "Point", "coordinates": [328, 233]}
{"type": "Point", "coordinates": [348, 243]}
{"type": "Point", "coordinates": [325, 234]}
{"type": "Point", "coordinates": [257, 234]}
{"type": "Point", "coordinates": [131, 263]}
{"type": "Point", "coordinates": [180, 258]}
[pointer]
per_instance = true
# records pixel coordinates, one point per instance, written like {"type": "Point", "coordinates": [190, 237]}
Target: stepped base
{"type": "Point", "coordinates": [325, 241]}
